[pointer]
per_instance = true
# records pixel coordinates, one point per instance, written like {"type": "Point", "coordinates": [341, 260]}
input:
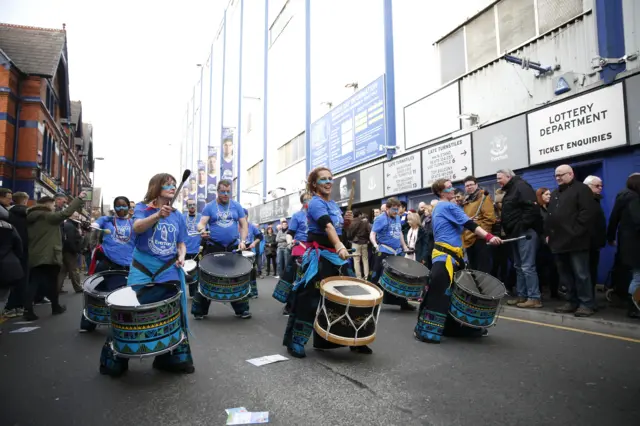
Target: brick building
{"type": "Point", "coordinates": [45, 147]}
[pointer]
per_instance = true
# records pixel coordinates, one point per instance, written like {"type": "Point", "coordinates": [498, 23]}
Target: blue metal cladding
{"type": "Point", "coordinates": [390, 83]}
{"type": "Point", "coordinates": [610, 27]}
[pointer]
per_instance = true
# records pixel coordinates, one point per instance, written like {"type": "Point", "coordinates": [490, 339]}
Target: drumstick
{"type": "Point", "coordinates": [511, 240]}
{"type": "Point", "coordinates": [353, 194]}
{"type": "Point", "coordinates": [106, 231]}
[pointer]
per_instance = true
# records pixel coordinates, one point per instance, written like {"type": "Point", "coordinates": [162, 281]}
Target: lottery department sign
{"type": "Point", "coordinates": [581, 125]}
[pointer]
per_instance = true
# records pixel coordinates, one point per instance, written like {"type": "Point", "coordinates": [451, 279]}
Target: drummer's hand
{"type": "Point", "coordinates": [495, 241]}
{"type": "Point", "coordinates": [343, 253]}
{"type": "Point", "coordinates": [165, 211]}
{"type": "Point", "coordinates": [348, 216]}
{"type": "Point", "coordinates": [180, 262]}
{"type": "Point", "coordinates": [252, 245]}
{"type": "Point", "coordinates": [204, 234]}
{"type": "Point", "coordinates": [242, 246]}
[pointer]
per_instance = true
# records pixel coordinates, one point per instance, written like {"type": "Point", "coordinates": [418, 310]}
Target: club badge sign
{"type": "Point", "coordinates": [581, 125]}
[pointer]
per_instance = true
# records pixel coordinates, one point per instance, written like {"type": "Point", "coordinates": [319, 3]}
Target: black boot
{"type": "Point", "coordinates": [632, 310]}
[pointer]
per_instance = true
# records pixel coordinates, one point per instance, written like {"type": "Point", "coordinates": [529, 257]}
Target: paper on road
{"type": "Point", "coordinates": [247, 418]}
{"type": "Point", "coordinates": [269, 359]}
{"type": "Point", "coordinates": [24, 329]}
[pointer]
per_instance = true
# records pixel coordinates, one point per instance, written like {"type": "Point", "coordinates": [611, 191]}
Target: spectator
{"type": "Point", "coordinates": [547, 271]}
{"type": "Point", "coordinates": [60, 201]}
{"type": "Point", "coordinates": [479, 207]}
{"type": "Point", "coordinates": [10, 253]}
{"type": "Point", "coordinates": [599, 231]}
{"type": "Point", "coordinates": [359, 235]}
{"type": "Point", "coordinates": [426, 211]}
{"type": "Point", "coordinates": [403, 216]}
{"type": "Point", "coordinates": [71, 249]}
{"type": "Point", "coordinates": [416, 238]}
{"type": "Point", "coordinates": [521, 218]}
{"type": "Point", "coordinates": [18, 219]}
{"type": "Point", "coordinates": [459, 196]}
{"type": "Point", "coordinates": [500, 268]}
{"type": "Point", "coordinates": [5, 198]}
{"type": "Point", "coordinates": [45, 250]}
{"type": "Point", "coordinates": [568, 228]}
{"type": "Point", "coordinates": [283, 249]}
{"type": "Point", "coordinates": [376, 213]}
{"type": "Point", "coordinates": [270, 250]}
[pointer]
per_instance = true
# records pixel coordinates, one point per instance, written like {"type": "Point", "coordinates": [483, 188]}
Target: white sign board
{"type": "Point", "coordinates": [581, 125]}
{"type": "Point", "coordinates": [447, 160]}
{"type": "Point", "coordinates": [402, 174]}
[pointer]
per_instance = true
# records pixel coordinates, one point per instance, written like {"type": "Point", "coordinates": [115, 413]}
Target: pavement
{"type": "Point", "coordinates": [525, 372]}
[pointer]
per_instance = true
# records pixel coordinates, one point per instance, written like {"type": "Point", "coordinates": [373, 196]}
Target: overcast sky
{"type": "Point", "coordinates": [133, 66]}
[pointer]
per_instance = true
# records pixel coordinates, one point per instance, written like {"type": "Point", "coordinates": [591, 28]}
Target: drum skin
{"type": "Point", "coordinates": [475, 303]}
{"type": "Point", "coordinates": [224, 277]}
{"type": "Point", "coordinates": [403, 277]}
{"type": "Point", "coordinates": [359, 312]}
{"type": "Point", "coordinates": [146, 330]}
{"type": "Point", "coordinates": [96, 288]}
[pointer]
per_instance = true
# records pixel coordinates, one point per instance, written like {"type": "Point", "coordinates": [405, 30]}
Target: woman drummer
{"type": "Point", "coordinates": [117, 246]}
{"type": "Point", "coordinates": [325, 257]}
{"type": "Point", "coordinates": [449, 221]}
{"type": "Point", "coordinates": [159, 255]}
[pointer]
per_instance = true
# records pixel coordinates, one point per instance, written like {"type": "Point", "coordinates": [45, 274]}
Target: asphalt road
{"type": "Point", "coordinates": [522, 374]}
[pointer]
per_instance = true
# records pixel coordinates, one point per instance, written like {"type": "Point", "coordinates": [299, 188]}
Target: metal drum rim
{"type": "Point", "coordinates": [344, 300]}
{"type": "Point", "coordinates": [200, 269]}
{"type": "Point", "coordinates": [479, 295]}
{"type": "Point", "coordinates": [145, 306]}
{"type": "Point", "coordinates": [84, 313]}
{"type": "Point", "coordinates": [345, 341]}
{"type": "Point", "coordinates": [385, 266]}
{"type": "Point", "coordinates": [103, 294]}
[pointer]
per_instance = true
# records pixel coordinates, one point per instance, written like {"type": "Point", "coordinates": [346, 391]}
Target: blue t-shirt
{"type": "Point", "coordinates": [298, 225]}
{"type": "Point", "coordinates": [193, 236]}
{"type": "Point", "coordinates": [223, 221]}
{"type": "Point", "coordinates": [162, 239]}
{"type": "Point", "coordinates": [252, 235]}
{"type": "Point", "coordinates": [119, 244]}
{"type": "Point", "coordinates": [318, 208]}
{"type": "Point", "coordinates": [388, 232]}
{"type": "Point", "coordinates": [448, 220]}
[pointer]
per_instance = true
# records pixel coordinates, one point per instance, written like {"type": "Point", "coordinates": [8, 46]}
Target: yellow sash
{"type": "Point", "coordinates": [449, 262]}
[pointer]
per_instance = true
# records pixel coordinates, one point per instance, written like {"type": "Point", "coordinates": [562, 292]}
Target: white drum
{"type": "Point", "coordinates": [250, 256]}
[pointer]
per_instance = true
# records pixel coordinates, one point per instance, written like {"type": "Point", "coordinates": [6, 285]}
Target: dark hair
{"type": "Point", "coordinates": [357, 213]}
{"type": "Point", "coordinates": [313, 177]}
{"type": "Point", "coordinates": [60, 196]}
{"type": "Point", "coordinates": [155, 186]}
{"type": "Point", "coordinates": [539, 193]}
{"type": "Point", "coordinates": [269, 228]}
{"type": "Point", "coordinates": [5, 191]}
{"type": "Point", "coordinates": [438, 186]}
{"type": "Point", "coordinates": [393, 201]}
{"type": "Point", "coordinates": [121, 198]}
{"type": "Point", "coordinates": [303, 196]}
{"type": "Point", "coordinates": [45, 200]}
{"type": "Point", "coordinates": [19, 197]}
{"type": "Point", "coordinates": [224, 182]}
{"type": "Point", "coordinates": [404, 204]}
{"type": "Point", "coordinates": [633, 183]}
{"type": "Point", "coordinates": [457, 191]}
{"type": "Point", "coordinates": [470, 179]}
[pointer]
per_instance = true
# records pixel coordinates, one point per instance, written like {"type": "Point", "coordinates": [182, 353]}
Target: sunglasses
{"type": "Point", "coordinates": [191, 205]}
{"type": "Point", "coordinates": [121, 208]}
{"type": "Point", "coordinates": [324, 181]}
{"type": "Point", "coordinates": [447, 190]}
{"type": "Point", "coordinates": [168, 187]}
{"type": "Point", "coordinates": [224, 192]}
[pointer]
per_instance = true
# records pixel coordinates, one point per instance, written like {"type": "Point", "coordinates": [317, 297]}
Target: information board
{"type": "Point", "coordinates": [447, 160]}
{"type": "Point", "coordinates": [402, 174]}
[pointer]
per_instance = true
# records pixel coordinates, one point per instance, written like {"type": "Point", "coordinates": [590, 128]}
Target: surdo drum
{"type": "Point", "coordinates": [225, 277]}
{"type": "Point", "coordinates": [191, 271]}
{"type": "Point", "coordinates": [475, 298]}
{"type": "Point", "coordinates": [403, 277]}
{"type": "Point", "coordinates": [141, 330]}
{"type": "Point", "coordinates": [96, 289]}
{"type": "Point", "coordinates": [348, 311]}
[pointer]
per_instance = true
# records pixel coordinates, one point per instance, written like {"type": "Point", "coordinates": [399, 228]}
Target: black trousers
{"type": "Point", "coordinates": [271, 260]}
{"type": "Point", "coordinates": [46, 276]}
{"type": "Point", "coordinates": [479, 255]}
{"type": "Point", "coordinates": [594, 259]}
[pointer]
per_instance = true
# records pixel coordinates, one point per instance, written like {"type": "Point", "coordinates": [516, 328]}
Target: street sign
{"type": "Point", "coordinates": [447, 160]}
{"type": "Point", "coordinates": [402, 175]}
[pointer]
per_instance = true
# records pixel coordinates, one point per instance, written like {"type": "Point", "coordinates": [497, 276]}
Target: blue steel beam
{"type": "Point", "coordinates": [264, 101]}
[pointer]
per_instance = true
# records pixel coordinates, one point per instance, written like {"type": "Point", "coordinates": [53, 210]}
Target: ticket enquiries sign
{"type": "Point", "coordinates": [447, 160]}
{"type": "Point", "coordinates": [402, 175]}
{"type": "Point", "coordinates": [581, 125]}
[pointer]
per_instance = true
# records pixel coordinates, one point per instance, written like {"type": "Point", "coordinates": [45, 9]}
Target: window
{"type": "Point", "coordinates": [254, 174]}
{"type": "Point", "coordinates": [501, 28]}
{"type": "Point", "coordinates": [51, 101]}
{"type": "Point", "coordinates": [280, 23]}
{"type": "Point", "coordinates": [291, 152]}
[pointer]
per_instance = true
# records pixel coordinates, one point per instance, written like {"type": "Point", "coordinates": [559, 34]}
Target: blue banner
{"type": "Point", "coordinates": [351, 133]}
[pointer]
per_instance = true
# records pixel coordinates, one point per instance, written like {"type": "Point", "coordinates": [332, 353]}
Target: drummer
{"type": "Point", "coordinates": [296, 236]}
{"type": "Point", "coordinates": [449, 222]}
{"type": "Point", "coordinates": [227, 232]}
{"type": "Point", "coordinates": [254, 236]}
{"type": "Point", "coordinates": [194, 239]}
{"type": "Point", "coordinates": [117, 245]}
{"type": "Point", "coordinates": [159, 255]}
{"type": "Point", "coordinates": [387, 239]}
{"type": "Point", "coordinates": [325, 257]}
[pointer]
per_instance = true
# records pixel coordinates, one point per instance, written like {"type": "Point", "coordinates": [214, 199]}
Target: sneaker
{"type": "Point", "coordinates": [10, 313]}
{"type": "Point", "coordinates": [530, 303]}
{"type": "Point", "coordinates": [407, 307]}
{"type": "Point", "coordinates": [514, 302]}
{"type": "Point", "coordinates": [29, 316]}
{"type": "Point", "coordinates": [198, 317]}
{"type": "Point", "coordinates": [567, 308]}
{"type": "Point", "coordinates": [57, 310]}
{"type": "Point", "coordinates": [365, 350]}
{"type": "Point", "coordinates": [277, 277]}
{"type": "Point", "coordinates": [244, 315]}
{"type": "Point", "coordinates": [583, 312]}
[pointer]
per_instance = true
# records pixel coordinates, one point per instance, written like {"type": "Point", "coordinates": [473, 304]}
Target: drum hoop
{"type": "Point", "coordinates": [200, 268]}
{"type": "Point", "coordinates": [346, 300]}
{"type": "Point", "coordinates": [386, 266]}
{"type": "Point", "coordinates": [190, 261]}
{"type": "Point", "coordinates": [102, 294]}
{"type": "Point", "coordinates": [476, 294]}
{"type": "Point", "coordinates": [84, 313]}
{"type": "Point", "coordinates": [164, 351]}
{"type": "Point", "coordinates": [152, 305]}
{"type": "Point", "coordinates": [344, 341]}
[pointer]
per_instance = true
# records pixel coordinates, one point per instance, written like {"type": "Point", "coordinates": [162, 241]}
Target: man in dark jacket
{"type": "Point", "coordinates": [18, 218]}
{"type": "Point", "coordinates": [10, 252]}
{"type": "Point", "coordinates": [71, 249]}
{"type": "Point", "coordinates": [521, 218]}
{"type": "Point", "coordinates": [358, 234]}
{"type": "Point", "coordinates": [599, 230]}
{"type": "Point", "coordinates": [568, 228]}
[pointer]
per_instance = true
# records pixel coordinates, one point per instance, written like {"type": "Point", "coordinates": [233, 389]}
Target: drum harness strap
{"type": "Point", "coordinates": [139, 266]}
{"type": "Point", "coordinates": [453, 254]}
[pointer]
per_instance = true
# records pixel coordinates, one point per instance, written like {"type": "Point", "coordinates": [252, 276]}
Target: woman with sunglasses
{"type": "Point", "coordinates": [449, 222]}
{"type": "Point", "coordinates": [117, 245]}
{"type": "Point", "coordinates": [160, 250]}
{"type": "Point", "coordinates": [326, 256]}
{"type": "Point", "coordinates": [227, 231]}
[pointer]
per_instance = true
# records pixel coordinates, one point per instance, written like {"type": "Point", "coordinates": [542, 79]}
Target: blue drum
{"type": "Point", "coordinates": [403, 277]}
{"type": "Point", "coordinates": [224, 277]}
{"type": "Point", "coordinates": [146, 321]}
{"type": "Point", "coordinates": [285, 284]}
{"type": "Point", "coordinates": [475, 298]}
{"type": "Point", "coordinates": [96, 288]}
